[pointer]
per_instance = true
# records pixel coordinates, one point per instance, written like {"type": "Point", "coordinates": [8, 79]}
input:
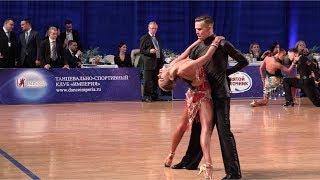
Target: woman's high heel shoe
{"type": "Point", "coordinates": [169, 160]}
{"type": "Point", "coordinates": [207, 169]}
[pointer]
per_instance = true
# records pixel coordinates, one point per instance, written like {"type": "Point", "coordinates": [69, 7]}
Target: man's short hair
{"type": "Point", "coordinates": [8, 19]}
{"type": "Point", "coordinates": [205, 18]}
{"type": "Point", "coordinates": [52, 28]}
{"type": "Point", "coordinates": [294, 50]}
{"type": "Point", "coordinates": [68, 21]}
{"type": "Point", "coordinates": [152, 22]}
{"type": "Point", "coordinates": [71, 41]}
{"type": "Point", "coordinates": [27, 21]}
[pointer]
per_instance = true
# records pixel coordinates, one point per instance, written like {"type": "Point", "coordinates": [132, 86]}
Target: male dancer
{"type": "Point", "coordinates": [216, 71]}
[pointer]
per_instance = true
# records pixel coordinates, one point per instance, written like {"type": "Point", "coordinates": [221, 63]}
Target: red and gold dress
{"type": "Point", "coordinates": [197, 95]}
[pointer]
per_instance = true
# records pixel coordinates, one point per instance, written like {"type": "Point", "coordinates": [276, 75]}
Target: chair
{"type": "Point", "coordinates": [109, 59]}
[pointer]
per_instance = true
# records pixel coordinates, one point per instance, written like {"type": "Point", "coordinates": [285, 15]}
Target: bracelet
{"type": "Point", "coordinates": [214, 44]}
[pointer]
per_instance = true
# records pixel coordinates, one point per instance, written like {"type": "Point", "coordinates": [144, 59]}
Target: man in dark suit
{"type": "Point", "coordinates": [152, 56]}
{"type": "Point", "coordinates": [72, 55]}
{"type": "Point", "coordinates": [51, 51]}
{"type": "Point", "coordinates": [8, 45]}
{"type": "Point", "coordinates": [70, 34]}
{"type": "Point", "coordinates": [29, 46]}
{"type": "Point", "coordinates": [217, 73]}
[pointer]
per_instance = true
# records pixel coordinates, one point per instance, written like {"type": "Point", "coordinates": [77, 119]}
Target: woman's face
{"type": "Point", "coordinates": [276, 49]}
{"type": "Point", "coordinates": [301, 46]}
{"type": "Point", "coordinates": [255, 49]}
{"type": "Point", "coordinates": [123, 48]}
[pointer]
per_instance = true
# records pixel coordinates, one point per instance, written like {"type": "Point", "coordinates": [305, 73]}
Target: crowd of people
{"type": "Point", "coordinates": [55, 50]}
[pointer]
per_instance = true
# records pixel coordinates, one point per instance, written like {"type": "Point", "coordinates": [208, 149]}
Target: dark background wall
{"type": "Point", "coordinates": [105, 24]}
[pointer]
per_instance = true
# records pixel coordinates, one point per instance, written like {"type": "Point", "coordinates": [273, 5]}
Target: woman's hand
{"type": "Point", "coordinates": [217, 40]}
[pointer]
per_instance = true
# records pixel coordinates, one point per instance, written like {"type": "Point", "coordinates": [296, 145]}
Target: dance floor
{"type": "Point", "coordinates": [130, 140]}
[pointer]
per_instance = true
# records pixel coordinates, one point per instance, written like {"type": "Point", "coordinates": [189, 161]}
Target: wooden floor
{"type": "Point", "coordinates": [129, 140]}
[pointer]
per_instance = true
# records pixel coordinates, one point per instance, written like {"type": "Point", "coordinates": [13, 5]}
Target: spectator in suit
{"type": "Point", "coordinates": [123, 59]}
{"type": "Point", "coordinates": [8, 45]}
{"type": "Point", "coordinates": [152, 56]}
{"type": "Point", "coordinates": [70, 34]}
{"type": "Point", "coordinates": [72, 55]}
{"type": "Point", "coordinates": [29, 46]}
{"type": "Point", "coordinates": [51, 51]}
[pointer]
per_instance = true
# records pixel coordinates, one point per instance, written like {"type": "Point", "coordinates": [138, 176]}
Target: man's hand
{"type": "Point", "coordinates": [47, 66]}
{"type": "Point", "coordinates": [78, 54]}
{"type": "Point", "coordinates": [38, 63]}
{"type": "Point", "coordinates": [153, 51]}
{"type": "Point", "coordinates": [1, 56]}
{"type": "Point", "coordinates": [66, 66]}
{"type": "Point", "coordinates": [217, 40]}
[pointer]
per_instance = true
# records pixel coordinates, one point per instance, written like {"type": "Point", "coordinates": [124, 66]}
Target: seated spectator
{"type": "Point", "coordinates": [70, 34]}
{"type": "Point", "coordinates": [51, 51]}
{"type": "Point", "coordinates": [123, 59]}
{"type": "Point", "coordinates": [72, 55]}
{"type": "Point", "coordinates": [255, 51]}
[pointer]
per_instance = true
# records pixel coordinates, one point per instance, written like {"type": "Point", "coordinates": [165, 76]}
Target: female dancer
{"type": "Point", "coordinates": [272, 67]}
{"type": "Point", "coordinates": [198, 99]}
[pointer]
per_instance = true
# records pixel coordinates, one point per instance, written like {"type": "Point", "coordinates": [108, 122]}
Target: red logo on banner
{"type": "Point", "coordinates": [21, 82]}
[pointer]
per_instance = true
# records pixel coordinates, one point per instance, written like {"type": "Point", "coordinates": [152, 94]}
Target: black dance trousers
{"type": "Point", "coordinates": [307, 85]}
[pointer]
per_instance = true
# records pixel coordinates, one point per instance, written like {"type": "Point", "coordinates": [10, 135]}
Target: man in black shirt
{"type": "Point", "coordinates": [306, 81]}
{"type": "Point", "coordinates": [217, 73]}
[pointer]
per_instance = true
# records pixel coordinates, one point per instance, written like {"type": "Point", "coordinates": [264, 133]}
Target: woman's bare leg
{"type": "Point", "coordinates": [177, 135]}
{"type": "Point", "coordinates": [206, 117]}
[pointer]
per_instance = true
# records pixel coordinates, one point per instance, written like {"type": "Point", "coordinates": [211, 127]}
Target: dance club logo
{"type": "Point", "coordinates": [31, 85]}
{"type": "Point", "coordinates": [240, 82]}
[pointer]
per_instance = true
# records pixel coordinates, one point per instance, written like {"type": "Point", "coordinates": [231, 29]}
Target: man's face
{"type": "Point", "coordinates": [153, 29]}
{"type": "Point", "coordinates": [73, 47]}
{"type": "Point", "coordinates": [202, 30]}
{"type": "Point", "coordinates": [276, 49]}
{"type": "Point", "coordinates": [53, 34]}
{"type": "Point", "coordinates": [69, 27]}
{"type": "Point", "coordinates": [9, 25]}
{"type": "Point", "coordinates": [25, 26]}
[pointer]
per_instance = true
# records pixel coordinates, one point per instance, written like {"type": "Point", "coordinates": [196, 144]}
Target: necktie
{"type": "Point", "coordinates": [27, 37]}
{"type": "Point", "coordinates": [8, 34]}
{"type": "Point", "coordinates": [53, 54]}
{"type": "Point", "coordinates": [156, 45]}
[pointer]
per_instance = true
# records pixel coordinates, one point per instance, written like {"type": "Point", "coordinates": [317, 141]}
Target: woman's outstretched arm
{"type": "Point", "coordinates": [188, 69]}
{"type": "Point", "coordinates": [186, 53]}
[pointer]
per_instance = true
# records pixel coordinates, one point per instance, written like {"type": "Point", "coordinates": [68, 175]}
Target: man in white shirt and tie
{"type": "Point", "coordinates": [8, 45]}
{"type": "Point", "coordinates": [51, 51]}
{"type": "Point", "coordinates": [152, 57]}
